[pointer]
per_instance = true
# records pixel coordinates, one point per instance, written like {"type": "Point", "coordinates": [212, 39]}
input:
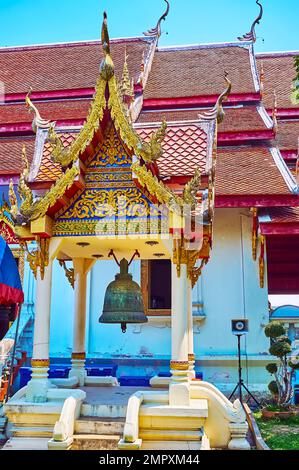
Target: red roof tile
{"type": "Point", "coordinates": [54, 111]}
{"type": "Point", "coordinates": [11, 153]}
{"type": "Point", "coordinates": [248, 171]}
{"type": "Point", "coordinates": [288, 135]}
{"type": "Point", "coordinates": [65, 66]}
{"type": "Point", "coordinates": [199, 71]}
{"type": "Point", "coordinates": [282, 215]}
{"type": "Point", "coordinates": [184, 149]}
{"type": "Point", "coordinates": [279, 75]}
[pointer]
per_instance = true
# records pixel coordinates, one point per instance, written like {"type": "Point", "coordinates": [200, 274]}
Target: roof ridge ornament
{"type": "Point", "coordinates": [156, 31]}
{"type": "Point", "coordinates": [107, 65]}
{"type": "Point", "coordinates": [38, 122]}
{"type": "Point", "coordinates": [274, 112]}
{"type": "Point", "coordinates": [218, 112]}
{"type": "Point", "coordinates": [251, 36]}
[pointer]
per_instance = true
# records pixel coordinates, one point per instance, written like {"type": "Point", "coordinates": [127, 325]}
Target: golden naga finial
{"type": "Point", "coordinates": [218, 112]}
{"type": "Point", "coordinates": [38, 121]}
{"type": "Point", "coordinates": [13, 202]}
{"type": "Point", "coordinates": [251, 36]}
{"type": "Point", "coordinates": [152, 150]}
{"type": "Point", "coordinates": [157, 30]}
{"type": "Point", "coordinates": [127, 86]}
{"type": "Point", "coordinates": [191, 189]}
{"type": "Point", "coordinates": [107, 66]}
{"type": "Point", "coordinates": [25, 163]}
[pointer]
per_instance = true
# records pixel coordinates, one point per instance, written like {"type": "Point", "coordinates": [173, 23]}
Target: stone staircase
{"type": "Point", "coordinates": [180, 428]}
{"type": "Point", "coordinates": [97, 433]}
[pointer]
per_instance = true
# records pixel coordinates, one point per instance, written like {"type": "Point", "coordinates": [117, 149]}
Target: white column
{"type": "Point", "coordinates": [39, 383]}
{"type": "Point", "coordinates": [191, 356]}
{"type": "Point", "coordinates": [79, 331]}
{"type": "Point", "coordinates": [179, 387]}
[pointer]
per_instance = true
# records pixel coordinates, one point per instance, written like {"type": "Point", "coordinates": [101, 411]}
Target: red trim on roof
{"type": "Point", "coordinates": [75, 93]}
{"type": "Point", "coordinates": [232, 201]}
{"type": "Point", "coordinates": [272, 228]}
{"type": "Point", "coordinates": [25, 128]}
{"type": "Point", "coordinates": [51, 95]}
{"type": "Point", "coordinates": [197, 101]}
{"type": "Point", "coordinates": [289, 154]}
{"type": "Point", "coordinates": [285, 113]}
{"type": "Point", "coordinates": [244, 136]}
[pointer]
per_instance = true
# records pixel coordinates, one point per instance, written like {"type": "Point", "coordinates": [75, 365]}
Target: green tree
{"type": "Point", "coordinates": [283, 370]}
{"type": "Point", "coordinates": [296, 79]}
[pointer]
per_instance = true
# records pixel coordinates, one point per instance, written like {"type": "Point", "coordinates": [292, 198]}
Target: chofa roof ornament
{"type": "Point", "coordinates": [38, 122]}
{"type": "Point", "coordinates": [107, 66]}
{"type": "Point", "coordinates": [157, 30]}
{"type": "Point", "coordinates": [218, 112]}
{"type": "Point", "coordinates": [251, 36]}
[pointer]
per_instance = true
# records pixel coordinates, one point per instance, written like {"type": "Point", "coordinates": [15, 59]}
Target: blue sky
{"type": "Point", "coordinates": [189, 21]}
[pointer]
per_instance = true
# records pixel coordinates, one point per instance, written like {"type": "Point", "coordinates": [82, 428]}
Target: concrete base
{"type": "Point", "coordinates": [160, 382]}
{"type": "Point", "coordinates": [122, 445]}
{"type": "Point", "coordinates": [64, 445]}
{"type": "Point", "coordinates": [179, 394]}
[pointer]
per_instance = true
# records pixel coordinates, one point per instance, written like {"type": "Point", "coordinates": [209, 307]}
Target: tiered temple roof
{"type": "Point", "coordinates": [173, 83]}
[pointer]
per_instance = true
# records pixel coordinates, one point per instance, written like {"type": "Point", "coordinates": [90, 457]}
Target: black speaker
{"type": "Point", "coordinates": [240, 327]}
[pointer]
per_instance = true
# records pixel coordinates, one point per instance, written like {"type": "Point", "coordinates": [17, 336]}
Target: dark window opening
{"type": "Point", "coordinates": [160, 285]}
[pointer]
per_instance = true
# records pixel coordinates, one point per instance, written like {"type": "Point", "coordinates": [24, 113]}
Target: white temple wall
{"type": "Point", "coordinates": [229, 288]}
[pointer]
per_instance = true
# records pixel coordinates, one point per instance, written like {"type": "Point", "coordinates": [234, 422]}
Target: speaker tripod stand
{"type": "Point", "coordinates": [240, 385]}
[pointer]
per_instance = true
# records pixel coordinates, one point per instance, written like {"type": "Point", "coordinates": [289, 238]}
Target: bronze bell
{"type": "Point", "coordinates": [123, 300]}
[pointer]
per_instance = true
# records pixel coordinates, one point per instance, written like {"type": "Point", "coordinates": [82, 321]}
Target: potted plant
{"type": "Point", "coordinates": [282, 371]}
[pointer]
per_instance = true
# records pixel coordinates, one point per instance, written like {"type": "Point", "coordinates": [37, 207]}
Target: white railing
{"type": "Point", "coordinates": [63, 434]}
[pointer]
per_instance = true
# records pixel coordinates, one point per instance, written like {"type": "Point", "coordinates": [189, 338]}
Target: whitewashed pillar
{"type": "Point", "coordinates": [79, 329]}
{"type": "Point", "coordinates": [179, 387]}
{"type": "Point", "coordinates": [191, 356]}
{"type": "Point", "coordinates": [39, 383]}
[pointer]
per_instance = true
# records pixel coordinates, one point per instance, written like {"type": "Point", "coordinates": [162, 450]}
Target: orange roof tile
{"type": "Point", "coordinates": [48, 170]}
{"type": "Point", "coordinates": [198, 71]}
{"type": "Point", "coordinates": [279, 73]}
{"type": "Point", "coordinates": [65, 66]}
{"type": "Point", "coordinates": [184, 149]}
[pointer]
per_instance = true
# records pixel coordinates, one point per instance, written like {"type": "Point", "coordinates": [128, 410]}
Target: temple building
{"type": "Point", "coordinates": [103, 146]}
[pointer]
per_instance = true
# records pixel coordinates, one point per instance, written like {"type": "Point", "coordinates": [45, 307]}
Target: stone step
{"type": "Point", "coordinates": [21, 443]}
{"type": "Point", "coordinates": [170, 435]}
{"type": "Point", "coordinates": [103, 426]}
{"type": "Point", "coordinates": [95, 442]}
{"type": "Point", "coordinates": [32, 431]}
{"type": "Point", "coordinates": [171, 445]}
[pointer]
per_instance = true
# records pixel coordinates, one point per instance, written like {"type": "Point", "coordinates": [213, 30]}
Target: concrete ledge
{"type": "Point", "coordinates": [101, 381]}
{"type": "Point", "coordinates": [257, 437]}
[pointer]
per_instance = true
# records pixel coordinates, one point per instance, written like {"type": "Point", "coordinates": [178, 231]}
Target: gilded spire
{"type": "Point", "coordinates": [127, 86]}
{"type": "Point", "coordinates": [218, 112]}
{"type": "Point", "coordinates": [107, 66]}
{"type": "Point", "coordinates": [25, 163]}
{"type": "Point", "coordinates": [274, 113]}
{"type": "Point", "coordinates": [251, 36]}
{"type": "Point", "coordinates": [156, 31]}
{"type": "Point", "coordinates": [13, 202]}
{"type": "Point", "coordinates": [38, 121]}
{"type": "Point", "coordinates": [262, 77]}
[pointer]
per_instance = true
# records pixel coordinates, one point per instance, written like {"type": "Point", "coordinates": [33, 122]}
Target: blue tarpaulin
{"type": "Point", "coordinates": [10, 283]}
